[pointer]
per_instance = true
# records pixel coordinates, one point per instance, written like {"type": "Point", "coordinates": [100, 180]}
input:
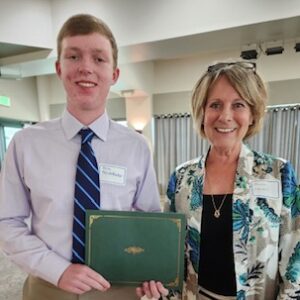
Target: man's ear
{"type": "Point", "coordinates": [116, 75]}
{"type": "Point", "coordinates": [58, 68]}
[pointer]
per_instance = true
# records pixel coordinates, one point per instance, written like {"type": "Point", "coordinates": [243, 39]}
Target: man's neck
{"type": "Point", "coordinates": [86, 117]}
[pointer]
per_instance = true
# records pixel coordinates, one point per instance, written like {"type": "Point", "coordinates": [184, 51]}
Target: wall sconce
{"type": "Point", "coordinates": [127, 93]}
{"type": "Point", "coordinates": [139, 126]}
{"type": "Point", "coordinates": [297, 47]}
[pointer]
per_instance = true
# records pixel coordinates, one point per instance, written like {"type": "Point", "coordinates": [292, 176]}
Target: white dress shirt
{"type": "Point", "coordinates": [38, 179]}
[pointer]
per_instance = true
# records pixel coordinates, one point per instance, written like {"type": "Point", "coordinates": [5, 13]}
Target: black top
{"type": "Point", "coordinates": [216, 267]}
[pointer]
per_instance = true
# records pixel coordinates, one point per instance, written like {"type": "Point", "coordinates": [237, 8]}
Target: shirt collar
{"type": "Point", "coordinates": [71, 126]}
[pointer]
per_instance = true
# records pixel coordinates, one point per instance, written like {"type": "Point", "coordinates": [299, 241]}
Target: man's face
{"type": "Point", "coordinates": [86, 70]}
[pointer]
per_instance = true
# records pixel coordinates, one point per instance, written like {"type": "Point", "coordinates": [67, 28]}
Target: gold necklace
{"type": "Point", "coordinates": [217, 212]}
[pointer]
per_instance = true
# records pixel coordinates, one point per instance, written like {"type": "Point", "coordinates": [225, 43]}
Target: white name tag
{"type": "Point", "coordinates": [113, 174]}
{"type": "Point", "coordinates": [265, 188]}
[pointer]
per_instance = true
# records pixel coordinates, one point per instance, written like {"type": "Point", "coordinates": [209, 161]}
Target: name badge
{"type": "Point", "coordinates": [265, 188]}
{"type": "Point", "coordinates": [113, 174]}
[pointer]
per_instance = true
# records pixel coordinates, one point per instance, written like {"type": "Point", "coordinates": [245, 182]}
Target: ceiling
{"type": "Point", "coordinates": [216, 41]}
{"type": "Point", "coordinates": [8, 50]}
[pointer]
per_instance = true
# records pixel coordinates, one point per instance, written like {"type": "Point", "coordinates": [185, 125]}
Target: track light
{"type": "Point", "coordinates": [274, 50]}
{"type": "Point", "coordinates": [274, 47]}
{"type": "Point", "coordinates": [249, 54]}
{"type": "Point", "coordinates": [297, 47]}
{"type": "Point", "coordinates": [250, 51]}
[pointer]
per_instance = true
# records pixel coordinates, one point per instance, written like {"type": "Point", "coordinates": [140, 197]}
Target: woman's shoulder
{"type": "Point", "coordinates": [266, 163]}
{"type": "Point", "coordinates": [267, 158]}
{"type": "Point", "coordinates": [190, 165]}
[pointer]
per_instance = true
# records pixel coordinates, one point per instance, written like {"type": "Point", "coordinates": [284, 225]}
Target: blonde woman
{"type": "Point", "coordinates": [242, 206]}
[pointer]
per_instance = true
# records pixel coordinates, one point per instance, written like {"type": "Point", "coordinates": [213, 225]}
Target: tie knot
{"type": "Point", "coordinates": [86, 135]}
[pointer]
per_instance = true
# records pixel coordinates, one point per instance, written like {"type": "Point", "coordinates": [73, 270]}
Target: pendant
{"type": "Point", "coordinates": [217, 213]}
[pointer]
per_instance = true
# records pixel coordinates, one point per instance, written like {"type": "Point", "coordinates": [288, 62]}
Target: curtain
{"type": "Point", "coordinates": [175, 140]}
{"type": "Point", "coordinates": [2, 145]}
{"type": "Point", "coordinates": [280, 135]}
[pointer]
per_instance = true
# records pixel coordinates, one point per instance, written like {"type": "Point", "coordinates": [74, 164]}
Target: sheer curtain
{"type": "Point", "coordinates": [280, 135]}
{"type": "Point", "coordinates": [176, 141]}
{"type": "Point", "coordinates": [2, 144]}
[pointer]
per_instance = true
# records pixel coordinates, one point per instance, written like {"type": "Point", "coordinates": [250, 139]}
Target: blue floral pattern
{"type": "Point", "coordinates": [293, 269]}
{"type": "Point", "coordinates": [241, 215]}
{"type": "Point", "coordinates": [266, 231]}
{"type": "Point", "coordinates": [290, 190]}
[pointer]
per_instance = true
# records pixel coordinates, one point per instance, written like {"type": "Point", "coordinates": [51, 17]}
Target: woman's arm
{"type": "Point", "coordinates": [289, 242]}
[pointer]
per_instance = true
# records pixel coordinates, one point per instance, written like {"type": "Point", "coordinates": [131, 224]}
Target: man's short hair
{"type": "Point", "coordinates": [83, 24]}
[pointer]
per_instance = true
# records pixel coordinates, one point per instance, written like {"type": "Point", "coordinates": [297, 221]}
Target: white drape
{"type": "Point", "coordinates": [2, 145]}
{"type": "Point", "coordinates": [281, 134]}
{"type": "Point", "coordinates": [176, 141]}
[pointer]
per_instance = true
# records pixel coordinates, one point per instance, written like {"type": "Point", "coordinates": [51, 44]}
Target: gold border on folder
{"type": "Point", "coordinates": [177, 222]}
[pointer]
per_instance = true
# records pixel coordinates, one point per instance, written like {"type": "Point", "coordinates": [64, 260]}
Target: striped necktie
{"type": "Point", "coordinates": [87, 192]}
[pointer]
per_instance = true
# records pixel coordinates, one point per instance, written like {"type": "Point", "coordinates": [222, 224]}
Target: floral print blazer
{"type": "Point", "coordinates": [266, 226]}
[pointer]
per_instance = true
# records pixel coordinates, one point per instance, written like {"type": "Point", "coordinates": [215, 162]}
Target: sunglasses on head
{"type": "Point", "coordinates": [222, 65]}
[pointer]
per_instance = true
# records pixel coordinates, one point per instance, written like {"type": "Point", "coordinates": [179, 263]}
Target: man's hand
{"type": "Point", "coordinates": [79, 279]}
{"type": "Point", "coordinates": [152, 290]}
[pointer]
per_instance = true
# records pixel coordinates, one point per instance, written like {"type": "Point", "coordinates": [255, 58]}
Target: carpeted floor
{"type": "Point", "coordinates": [11, 280]}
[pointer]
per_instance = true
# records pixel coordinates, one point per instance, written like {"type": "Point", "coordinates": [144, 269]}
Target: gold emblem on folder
{"type": "Point", "coordinates": [134, 250]}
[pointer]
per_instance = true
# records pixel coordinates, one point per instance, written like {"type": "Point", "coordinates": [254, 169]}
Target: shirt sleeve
{"type": "Point", "coordinates": [147, 196]}
{"type": "Point", "coordinates": [289, 243]}
{"type": "Point", "coordinates": [17, 239]}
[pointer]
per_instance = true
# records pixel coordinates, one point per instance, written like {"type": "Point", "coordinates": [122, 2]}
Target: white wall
{"type": "Point", "coordinates": [171, 103]}
{"type": "Point", "coordinates": [24, 101]}
{"type": "Point", "coordinates": [116, 108]}
{"type": "Point", "coordinates": [56, 110]}
{"type": "Point", "coordinates": [284, 92]}
{"type": "Point", "coordinates": [26, 23]}
{"type": "Point", "coordinates": [280, 92]}
{"type": "Point", "coordinates": [57, 94]}
{"type": "Point", "coordinates": [152, 20]}
{"type": "Point", "coordinates": [177, 75]}
{"type": "Point", "coordinates": [168, 82]}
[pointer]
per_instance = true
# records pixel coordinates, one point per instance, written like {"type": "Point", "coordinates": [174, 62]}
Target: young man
{"type": "Point", "coordinates": [39, 177]}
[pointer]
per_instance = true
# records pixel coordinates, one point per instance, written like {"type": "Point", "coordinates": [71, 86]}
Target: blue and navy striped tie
{"type": "Point", "coordinates": [87, 193]}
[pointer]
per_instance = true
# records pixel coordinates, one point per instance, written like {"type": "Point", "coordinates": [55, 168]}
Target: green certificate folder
{"type": "Point", "coordinates": [132, 247]}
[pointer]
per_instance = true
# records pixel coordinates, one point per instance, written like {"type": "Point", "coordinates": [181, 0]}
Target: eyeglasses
{"type": "Point", "coordinates": [248, 65]}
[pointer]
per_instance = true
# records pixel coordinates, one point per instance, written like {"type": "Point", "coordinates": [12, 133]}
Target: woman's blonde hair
{"type": "Point", "coordinates": [244, 79]}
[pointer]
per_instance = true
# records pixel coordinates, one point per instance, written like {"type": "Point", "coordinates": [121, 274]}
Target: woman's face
{"type": "Point", "coordinates": [226, 116]}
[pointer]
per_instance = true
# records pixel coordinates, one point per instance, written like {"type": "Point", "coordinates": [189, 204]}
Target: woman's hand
{"type": "Point", "coordinates": [152, 290]}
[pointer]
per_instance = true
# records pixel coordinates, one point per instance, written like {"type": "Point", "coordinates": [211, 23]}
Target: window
{"type": "Point", "coordinates": [9, 133]}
